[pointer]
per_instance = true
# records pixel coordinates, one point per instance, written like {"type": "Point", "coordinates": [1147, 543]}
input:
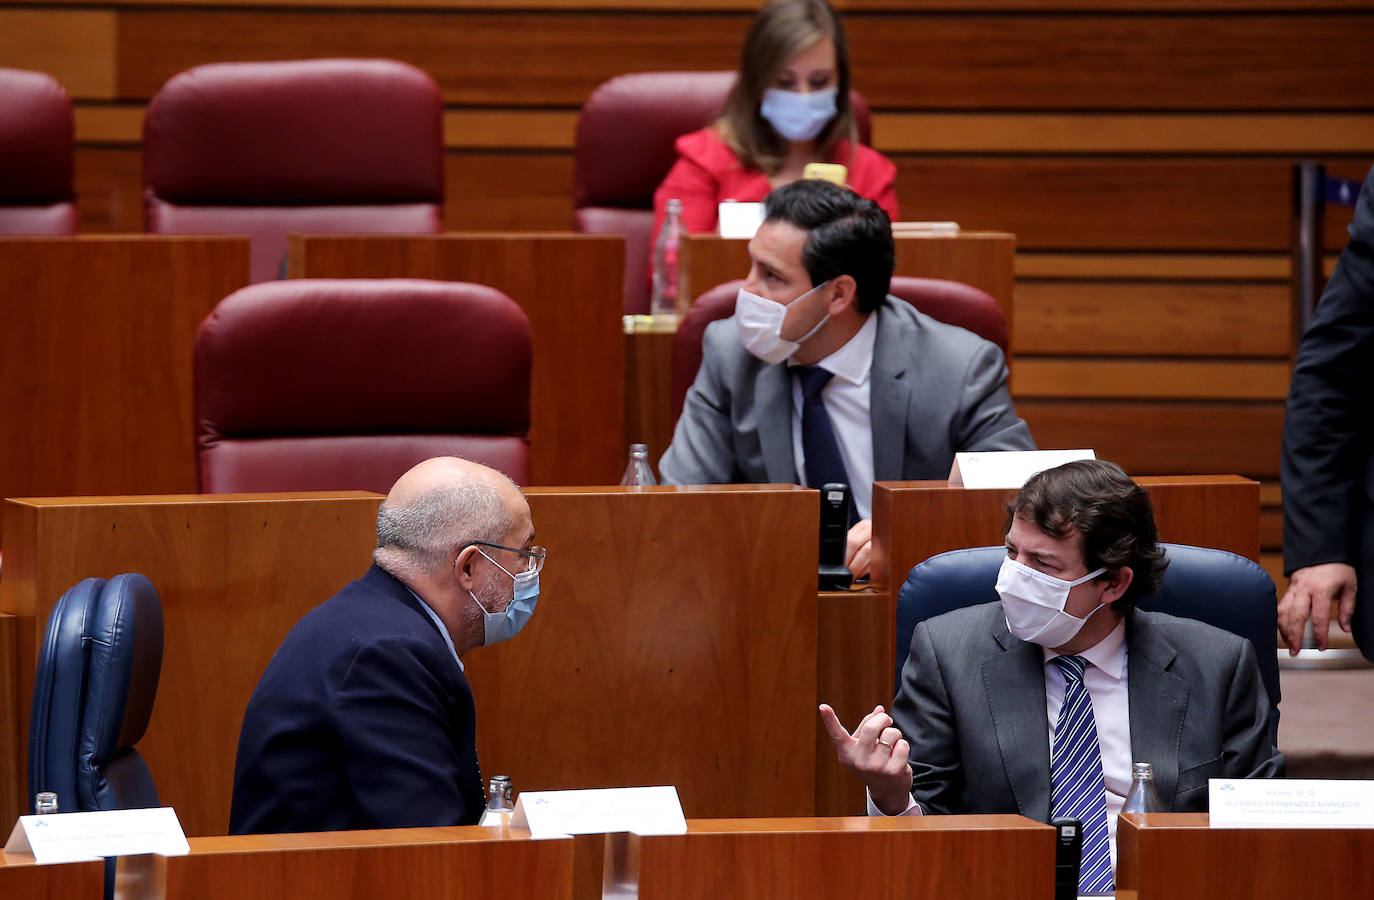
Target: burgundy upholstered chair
{"type": "Point", "coordinates": [624, 148]}
{"type": "Point", "coordinates": [344, 384]}
{"type": "Point", "coordinates": [36, 148]}
{"type": "Point", "coordinates": [952, 302]}
{"type": "Point", "coordinates": [319, 145]}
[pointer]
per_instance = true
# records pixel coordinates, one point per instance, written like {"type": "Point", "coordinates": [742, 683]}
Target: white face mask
{"type": "Point", "coordinates": [797, 116]}
{"type": "Point", "coordinates": [1033, 604]}
{"type": "Point", "coordinates": [760, 320]}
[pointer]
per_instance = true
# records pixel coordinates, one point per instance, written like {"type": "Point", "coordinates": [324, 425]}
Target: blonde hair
{"type": "Point", "coordinates": [781, 30]}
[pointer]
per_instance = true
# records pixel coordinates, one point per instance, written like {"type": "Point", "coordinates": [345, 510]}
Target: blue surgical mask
{"type": "Point", "coordinates": [506, 624]}
{"type": "Point", "coordinates": [796, 116]}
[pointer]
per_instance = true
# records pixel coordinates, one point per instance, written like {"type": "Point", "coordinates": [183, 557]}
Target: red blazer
{"type": "Point", "coordinates": [707, 172]}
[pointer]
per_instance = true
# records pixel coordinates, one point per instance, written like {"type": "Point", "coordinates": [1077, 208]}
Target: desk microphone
{"type": "Point", "coordinates": [834, 574]}
{"type": "Point", "coordinates": [1068, 853]}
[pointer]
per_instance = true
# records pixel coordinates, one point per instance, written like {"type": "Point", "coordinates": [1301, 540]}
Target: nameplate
{"type": "Point", "coordinates": [1290, 803]}
{"type": "Point", "coordinates": [739, 220]}
{"type": "Point", "coordinates": [641, 810]}
{"type": "Point", "coordinates": [77, 837]}
{"type": "Point", "coordinates": [1008, 468]}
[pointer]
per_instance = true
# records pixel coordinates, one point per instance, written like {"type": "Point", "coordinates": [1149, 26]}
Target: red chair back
{"type": "Point", "coordinates": [624, 148]}
{"type": "Point", "coordinates": [36, 150]}
{"type": "Point", "coordinates": [320, 145]}
{"type": "Point", "coordinates": [345, 384]}
{"type": "Point", "coordinates": [952, 302]}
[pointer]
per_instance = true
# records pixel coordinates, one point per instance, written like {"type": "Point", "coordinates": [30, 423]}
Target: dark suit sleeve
{"type": "Point", "coordinates": [1248, 749]}
{"type": "Point", "coordinates": [986, 419]}
{"type": "Point", "coordinates": [703, 447]}
{"type": "Point", "coordinates": [925, 716]}
{"type": "Point", "coordinates": [1327, 428]}
{"type": "Point", "coordinates": [396, 720]}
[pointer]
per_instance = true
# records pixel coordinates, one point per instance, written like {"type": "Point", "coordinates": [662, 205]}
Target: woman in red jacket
{"type": "Point", "coordinates": [789, 107]}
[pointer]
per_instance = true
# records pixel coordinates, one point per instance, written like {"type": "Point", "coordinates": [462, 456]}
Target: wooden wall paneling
{"type": "Point", "coordinates": [77, 47]}
{"type": "Point", "coordinates": [568, 286]}
{"type": "Point", "coordinates": [20, 876]}
{"type": "Point", "coordinates": [1116, 202]}
{"type": "Point", "coordinates": [675, 643]}
{"type": "Point", "coordinates": [514, 191]}
{"type": "Point", "coordinates": [856, 632]}
{"type": "Point", "coordinates": [1138, 319]}
{"type": "Point", "coordinates": [395, 864]}
{"type": "Point", "coordinates": [914, 520]}
{"type": "Point", "coordinates": [1150, 437]}
{"type": "Point", "coordinates": [480, 58]}
{"type": "Point", "coordinates": [874, 858]}
{"type": "Point", "coordinates": [648, 386]}
{"type": "Point", "coordinates": [109, 188]}
{"type": "Point", "coordinates": [95, 359]}
{"type": "Point", "coordinates": [1179, 857]}
{"type": "Point", "coordinates": [1153, 379]}
{"type": "Point", "coordinates": [233, 573]}
{"type": "Point", "coordinates": [13, 764]}
{"type": "Point", "coordinates": [1120, 61]}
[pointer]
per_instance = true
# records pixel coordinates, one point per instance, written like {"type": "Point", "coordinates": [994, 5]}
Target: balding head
{"type": "Point", "coordinates": [439, 506]}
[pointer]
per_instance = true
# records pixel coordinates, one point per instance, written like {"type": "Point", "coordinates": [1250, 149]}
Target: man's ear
{"type": "Point", "coordinates": [1120, 580]}
{"type": "Point", "coordinates": [846, 294]}
{"type": "Point", "coordinates": [464, 567]}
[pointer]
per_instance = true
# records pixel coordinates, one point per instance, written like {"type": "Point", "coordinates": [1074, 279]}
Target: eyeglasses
{"type": "Point", "coordinates": [534, 557]}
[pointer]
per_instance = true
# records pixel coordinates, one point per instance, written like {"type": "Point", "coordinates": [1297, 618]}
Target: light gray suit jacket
{"type": "Point", "coordinates": [935, 389]}
{"type": "Point", "coordinates": [972, 706]}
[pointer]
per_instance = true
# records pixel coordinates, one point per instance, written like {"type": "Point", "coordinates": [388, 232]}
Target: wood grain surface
{"type": "Point", "coordinates": [1176, 856]}
{"type": "Point", "coordinates": [914, 520]}
{"type": "Point", "coordinates": [95, 359]}
{"type": "Point", "coordinates": [990, 857]}
{"type": "Point", "coordinates": [20, 877]}
{"type": "Point", "coordinates": [675, 644]}
{"type": "Point", "coordinates": [568, 286]}
{"type": "Point", "coordinates": [13, 764]}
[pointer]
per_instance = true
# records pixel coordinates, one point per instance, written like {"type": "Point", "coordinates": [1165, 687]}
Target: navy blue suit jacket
{"type": "Point", "coordinates": [363, 719]}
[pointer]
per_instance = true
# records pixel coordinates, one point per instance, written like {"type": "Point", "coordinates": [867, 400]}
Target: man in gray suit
{"type": "Point", "coordinates": [984, 691]}
{"type": "Point", "coordinates": [900, 393]}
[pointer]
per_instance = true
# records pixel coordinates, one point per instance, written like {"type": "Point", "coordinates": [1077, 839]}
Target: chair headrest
{"type": "Point", "coordinates": [36, 139]}
{"type": "Point", "coordinates": [297, 132]}
{"type": "Point", "coordinates": [362, 356]}
{"type": "Point", "coordinates": [124, 635]}
{"type": "Point", "coordinates": [954, 303]}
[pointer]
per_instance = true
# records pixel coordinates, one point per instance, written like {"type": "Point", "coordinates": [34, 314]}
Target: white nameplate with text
{"type": "Point", "coordinates": [1290, 803]}
{"type": "Point", "coordinates": [642, 810]}
{"type": "Point", "coordinates": [1008, 468]}
{"type": "Point", "coordinates": [76, 837]}
{"type": "Point", "coordinates": [739, 219]}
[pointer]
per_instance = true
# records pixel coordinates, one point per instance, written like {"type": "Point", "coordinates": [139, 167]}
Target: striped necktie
{"type": "Point", "coordinates": [1079, 790]}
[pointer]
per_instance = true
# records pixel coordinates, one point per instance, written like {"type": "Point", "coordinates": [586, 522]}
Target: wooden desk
{"type": "Point", "coordinates": [983, 259]}
{"type": "Point", "coordinates": [401, 863]}
{"type": "Point", "coordinates": [1176, 856]}
{"type": "Point", "coordinates": [95, 358]}
{"type": "Point", "coordinates": [23, 879]}
{"type": "Point", "coordinates": [569, 285]}
{"type": "Point", "coordinates": [914, 520]}
{"type": "Point", "coordinates": [675, 643]}
{"type": "Point", "coordinates": [992, 857]}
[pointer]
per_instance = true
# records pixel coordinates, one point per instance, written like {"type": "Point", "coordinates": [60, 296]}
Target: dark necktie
{"type": "Point", "coordinates": [1079, 789]}
{"type": "Point", "coordinates": [820, 448]}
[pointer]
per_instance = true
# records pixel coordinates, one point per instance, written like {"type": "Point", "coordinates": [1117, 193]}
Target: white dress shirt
{"type": "Point", "coordinates": [1105, 680]}
{"type": "Point", "coordinates": [846, 399]}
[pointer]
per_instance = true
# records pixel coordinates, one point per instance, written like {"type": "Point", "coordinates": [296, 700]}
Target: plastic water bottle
{"type": "Point", "coordinates": [500, 801]}
{"type": "Point", "coordinates": [663, 303]}
{"type": "Point", "coordinates": [1142, 797]}
{"type": "Point", "coordinates": [44, 803]}
{"type": "Point", "coordinates": [638, 473]}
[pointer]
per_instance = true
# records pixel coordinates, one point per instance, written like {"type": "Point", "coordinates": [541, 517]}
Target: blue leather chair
{"type": "Point", "coordinates": [93, 693]}
{"type": "Point", "coordinates": [1212, 586]}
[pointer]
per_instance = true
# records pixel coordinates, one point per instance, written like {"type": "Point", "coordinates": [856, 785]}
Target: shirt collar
{"type": "Point", "coordinates": [1108, 654]}
{"type": "Point", "coordinates": [438, 623]}
{"type": "Point", "coordinates": [854, 361]}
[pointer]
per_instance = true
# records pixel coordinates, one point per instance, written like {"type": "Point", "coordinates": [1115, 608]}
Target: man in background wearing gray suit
{"type": "Point", "coordinates": [818, 356]}
{"type": "Point", "coordinates": [988, 690]}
